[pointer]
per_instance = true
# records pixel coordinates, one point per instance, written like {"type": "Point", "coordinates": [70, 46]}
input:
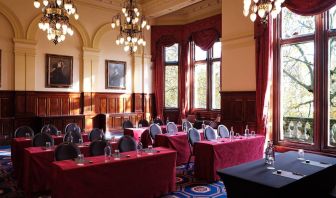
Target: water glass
{"type": "Point", "coordinates": [140, 125]}
{"type": "Point", "coordinates": [80, 141]}
{"type": "Point", "coordinates": [48, 145]}
{"type": "Point", "coordinates": [150, 149]}
{"type": "Point", "coordinates": [116, 154]}
{"type": "Point", "coordinates": [80, 159]}
{"type": "Point", "coordinates": [27, 135]}
{"type": "Point", "coordinates": [139, 152]}
{"type": "Point", "coordinates": [301, 154]}
{"type": "Point", "coordinates": [237, 135]}
{"type": "Point", "coordinates": [270, 163]}
{"type": "Point", "coordinates": [253, 134]}
{"type": "Point", "coordinates": [58, 133]}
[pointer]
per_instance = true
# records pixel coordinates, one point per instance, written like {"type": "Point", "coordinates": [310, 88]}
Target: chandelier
{"type": "Point", "coordinates": [55, 19]}
{"type": "Point", "coordinates": [263, 8]}
{"type": "Point", "coordinates": [131, 25]}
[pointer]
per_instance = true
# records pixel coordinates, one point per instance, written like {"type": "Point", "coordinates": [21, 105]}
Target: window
{"type": "Point", "coordinates": [306, 72]}
{"type": "Point", "coordinates": [171, 59]}
{"type": "Point", "coordinates": [206, 77]}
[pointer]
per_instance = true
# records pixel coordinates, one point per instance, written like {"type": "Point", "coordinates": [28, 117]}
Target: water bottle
{"type": "Point", "coordinates": [70, 137]}
{"type": "Point", "coordinates": [203, 125]}
{"type": "Point", "coordinates": [107, 152]}
{"type": "Point", "coordinates": [48, 129]}
{"type": "Point", "coordinates": [247, 131]}
{"type": "Point", "coordinates": [269, 153]}
{"type": "Point", "coordinates": [167, 120]}
{"type": "Point", "coordinates": [231, 133]}
{"type": "Point", "coordinates": [139, 149]}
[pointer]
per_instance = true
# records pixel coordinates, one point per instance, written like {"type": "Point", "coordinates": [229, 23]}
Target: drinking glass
{"type": "Point", "coordinates": [27, 135]}
{"type": "Point", "coordinates": [48, 145]}
{"type": "Point", "coordinates": [150, 149]}
{"type": "Point", "coordinates": [237, 135]}
{"type": "Point", "coordinates": [231, 134]}
{"type": "Point", "coordinates": [80, 141]}
{"type": "Point", "coordinates": [80, 159]}
{"type": "Point", "coordinates": [140, 125]}
{"type": "Point", "coordinates": [253, 134]}
{"type": "Point", "coordinates": [59, 133]}
{"type": "Point", "coordinates": [116, 154]}
{"type": "Point", "coordinates": [139, 152]}
{"type": "Point", "coordinates": [270, 163]}
{"type": "Point", "coordinates": [301, 154]}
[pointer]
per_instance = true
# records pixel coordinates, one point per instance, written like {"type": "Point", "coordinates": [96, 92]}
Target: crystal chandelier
{"type": "Point", "coordinates": [263, 8]}
{"type": "Point", "coordinates": [55, 19]}
{"type": "Point", "coordinates": [131, 25]}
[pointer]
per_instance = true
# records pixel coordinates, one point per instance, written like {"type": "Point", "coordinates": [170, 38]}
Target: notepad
{"type": "Point", "coordinates": [288, 174]}
{"type": "Point", "coordinates": [319, 164]}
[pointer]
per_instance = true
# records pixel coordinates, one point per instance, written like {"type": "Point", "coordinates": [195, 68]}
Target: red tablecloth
{"type": "Point", "coordinates": [178, 142]}
{"type": "Point", "coordinates": [144, 176]}
{"type": "Point", "coordinates": [38, 167]}
{"type": "Point", "coordinates": [137, 132]}
{"type": "Point", "coordinates": [211, 156]}
{"type": "Point", "coordinates": [17, 149]}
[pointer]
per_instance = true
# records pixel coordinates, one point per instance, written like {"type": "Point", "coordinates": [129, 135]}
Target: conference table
{"type": "Point", "coordinates": [225, 152]}
{"type": "Point", "coordinates": [37, 167]}
{"type": "Point", "coordinates": [315, 176]}
{"type": "Point", "coordinates": [148, 175]}
{"type": "Point", "coordinates": [137, 132]}
{"type": "Point", "coordinates": [178, 142]}
{"type": "Point", "coordinates": [17, 150]}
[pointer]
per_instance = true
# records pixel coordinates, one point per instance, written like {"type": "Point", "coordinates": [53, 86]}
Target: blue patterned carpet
{"type": "Point", "coordinates": [186, 185]}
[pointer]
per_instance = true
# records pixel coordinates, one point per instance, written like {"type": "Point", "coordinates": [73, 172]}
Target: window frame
{"type": "Point", "coordinates": [321, 83]}
{"type": "Point", "coordinates": [208, 61]}
{"type": "Point", "coordinates": [167, 64]}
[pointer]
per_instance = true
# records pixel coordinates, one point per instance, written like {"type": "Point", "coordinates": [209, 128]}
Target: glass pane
{"type": "Point", "coordinates": [217, 50]}
{"type": "Point", "coordinates": [200, 54]}
{"type": "Point", "coordinates": [332, 18]}
{"type": "Point", "coordinates": [200, 86]}
{"type": "Point", "coordinates": [215, 85]}
{"type": "Point", "coordinates": [332, 91]}
{"type": "Point", "coordinates": [171, 53]}
{"type": "Point", "coordinates": [295, 25]}
{"type": "Point", "coordinates": [171, 86]}
{"type": "Point", "coordinates": [297, 92]}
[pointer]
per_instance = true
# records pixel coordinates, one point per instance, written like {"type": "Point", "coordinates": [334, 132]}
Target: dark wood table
{"type": "Point", "coordinates": [255, 180]}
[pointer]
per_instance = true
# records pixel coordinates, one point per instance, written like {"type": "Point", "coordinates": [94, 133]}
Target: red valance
{"type": "Point", "coordinates": [205, 38]}
{"type": "Point", "coordinates": [309, 7]}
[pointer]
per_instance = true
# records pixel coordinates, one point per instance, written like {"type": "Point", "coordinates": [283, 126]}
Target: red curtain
{"type": "Point", "coordinates": [264, 53]}
{"type": "Point", "coordinates": [309, 7]}
{"type": "Point", "coordinates": [205, 38]}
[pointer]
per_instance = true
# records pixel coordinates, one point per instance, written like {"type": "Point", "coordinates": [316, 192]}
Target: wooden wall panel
{"type": "Point", "coordinates": [238, 109]}
{"type": "Point", "coordinates": [54, 106]}
{"type": "Point", "coordinates": [6, 104]}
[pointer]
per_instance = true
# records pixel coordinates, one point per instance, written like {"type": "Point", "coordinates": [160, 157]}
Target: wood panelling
{"type": "Point", "coordinates": [61, 121]}
{"type": "Point", "coordinates": [238, 109]}
{"type": "Point", "coordinates": [6, 104]}
{"type": "Point", "coordinates": [171, 114]}
{"type": "Point", "coordinates": [111, 102]}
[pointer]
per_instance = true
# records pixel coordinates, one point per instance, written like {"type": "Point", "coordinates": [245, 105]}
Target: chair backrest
{"type": "Point", "coordinates": [213, 124]}
{"type": "Point", "coordinates": [40, 139]}
{"type": "Point", "coordinates": [186, 125]}
{"type": "Point", "coordinates": [158, 121]}
{"type": "Point", "coordinates": [146, 139]}
{"type": "Point", "coordinates": [66, 151]}
{"type": "Point", "coordinates": [97, 147]}
{"type": "Point", "coordinates": [171, 127]}
{"type": "Point", "coordinates": [127, 124]}
{"type": "Point", "coordinates": [96, 134]}
{"type": "Point", "coordinates": [223, 131]}
{"type": "Point", "coordinates": [76, 135]}
{"type": "Point", "coordinates": [71, 127]}
{"type": "Point", "coordinates": [198, 124]}
{"type": "Point", "coordinates": [127, 143]}
{"type": "Point", "coordinates": [50, 129]}
{"type": "Point", "coordinates": [154, 129]}
{"type": "Point", "coordinates": [22, 130]}
{"type": "Point", "coordinates": [144, 123]}
{"type": "Point", "coordinates": [193, 136]}
{"type": "Point", "coordinates": [209, 133]}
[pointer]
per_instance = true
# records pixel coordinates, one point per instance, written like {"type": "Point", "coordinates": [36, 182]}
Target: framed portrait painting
{"type": "Point", "coordinates": [115, 74]}
{"type": "Point", "coordinates": [59, 71]}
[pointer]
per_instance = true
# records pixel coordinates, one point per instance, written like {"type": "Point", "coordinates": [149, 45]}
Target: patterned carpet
{"type": "Point", "coordinates": [186, 185]}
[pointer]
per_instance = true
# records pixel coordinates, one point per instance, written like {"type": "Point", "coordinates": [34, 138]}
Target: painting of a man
{"type": "Point", "coordinates": [115, 74]}
{"type": "Point", "coordinates": [59, 71]}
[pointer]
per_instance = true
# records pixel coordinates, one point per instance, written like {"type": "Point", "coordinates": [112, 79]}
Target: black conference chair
{"type": "Point", "coordinates": [127, 143]}
{"type": "Point", "coordinates": [41, 139]}
{"type": "Point", "coordinates": [209, 133]}
{"type": "Point", "coordinates": [171, 128]}
{"type": "Point", "coordinates": [96, 134]}
{"type": "Point", "coordinates": [127, 124]}
{"type": "Point", "coordinates": [97, 147]}
{"type": "Point", "coordinates": [223, 131]}
{"type": "Point", "coordinates": [154, 130]}
{"type": "Point", "coordinates": [213, 124]}
{"type": "Point", "coordinates": [71, 127]}
{"type": "Point", "coordinates": [21, 131]}
{"type": "Point", "coordinates": [76, 135]}
{"type": "Point", "coordinates": [198, 124]}
{"type": "Point", "coordinates": [50, 129]}
{"type": "Point", "coordinates": [143, 122]}
{"type": "Point", "coordinates": [66, 151]}
{"type": "Point", "coordinates": [186, 125]}
{"type": "Point", "coordinates": [193, 137]}
{"type": "Point", "coordinates": [158, 121]}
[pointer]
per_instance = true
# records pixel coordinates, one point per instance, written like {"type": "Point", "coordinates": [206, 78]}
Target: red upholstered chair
{"type": "Point", "coordinates": [145, 139]}
{"type": "Point", "coordinates": [76, 135]}
{"type": "Point", "coordinates": [127, 124]}
{"type": "Point", "coordinates": [71, 127]}
{"type": "Point", "coordinates": [154, 130]}
{"type": "Point", "coordinates": [186, 125]}
{"type": "Point", "coordinates": [143, 122]}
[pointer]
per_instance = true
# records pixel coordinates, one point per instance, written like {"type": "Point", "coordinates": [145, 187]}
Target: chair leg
{"type": "Point", "coordinates": [188, 162]}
